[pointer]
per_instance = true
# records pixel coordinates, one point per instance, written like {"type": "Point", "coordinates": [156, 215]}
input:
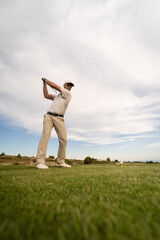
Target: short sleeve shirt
{"type": "Point", "coordinates": [60, 102]}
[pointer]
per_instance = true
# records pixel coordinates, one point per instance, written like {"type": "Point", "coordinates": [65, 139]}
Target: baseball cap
{"type": "Point", "coordinates": [70, 82]}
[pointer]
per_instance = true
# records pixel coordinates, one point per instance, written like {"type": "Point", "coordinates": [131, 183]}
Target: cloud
{"type": "Point", "coordinates": [110, 49]}
{"type": "Point", "coordinates": [153, 145]}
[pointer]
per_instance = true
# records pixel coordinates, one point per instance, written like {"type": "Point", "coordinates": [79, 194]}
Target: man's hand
{"type": "Point", "coordinates": [43, 79]}
{"type": "Point", "coordinates": [51, 84]}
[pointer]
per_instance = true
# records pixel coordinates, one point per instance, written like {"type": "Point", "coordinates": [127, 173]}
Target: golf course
{"type": "Point", "coordinates": [81, 203]}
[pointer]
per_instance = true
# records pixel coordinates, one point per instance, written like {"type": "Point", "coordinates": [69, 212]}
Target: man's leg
{"type": "Point", "coordinates": [42, 148]}
{"type": "Point", "coordinates": [62, 138]}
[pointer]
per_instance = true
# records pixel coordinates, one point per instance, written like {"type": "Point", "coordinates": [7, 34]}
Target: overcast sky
{"type": "Point", "coordinates": [109, 48]}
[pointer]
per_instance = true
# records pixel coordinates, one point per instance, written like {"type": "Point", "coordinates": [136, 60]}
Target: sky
{"type": "Point", "coordinates": [110, 50]}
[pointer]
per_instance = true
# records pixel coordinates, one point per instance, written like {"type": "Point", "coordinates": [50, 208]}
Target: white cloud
{"type": "Point", "coordinates": [153, 145]}
{"type": "Point", "coordinates": [108, 48]}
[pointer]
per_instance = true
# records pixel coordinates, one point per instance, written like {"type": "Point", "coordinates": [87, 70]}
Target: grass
{"type": "Point", "coordinates": [87, 202]}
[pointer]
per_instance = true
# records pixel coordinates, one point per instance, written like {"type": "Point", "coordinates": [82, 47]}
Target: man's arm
{"type": "Point", "coordinates": [51, 84]}
{"type": "Point", "coordinates": [45, 92]}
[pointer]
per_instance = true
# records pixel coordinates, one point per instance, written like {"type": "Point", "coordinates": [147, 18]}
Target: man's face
{"type": "Point", "coordinates": [68, 86]}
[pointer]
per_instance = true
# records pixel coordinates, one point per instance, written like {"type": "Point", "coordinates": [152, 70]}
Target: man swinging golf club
{"type": "Point", "coordinates": [54, 118]}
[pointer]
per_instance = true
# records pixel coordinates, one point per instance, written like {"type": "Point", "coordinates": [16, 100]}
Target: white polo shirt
{"type": "Point", "coordinates": [60, 102]}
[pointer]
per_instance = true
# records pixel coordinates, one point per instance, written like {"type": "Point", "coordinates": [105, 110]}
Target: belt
{"type": "Point", "coordinates": [55, 114]}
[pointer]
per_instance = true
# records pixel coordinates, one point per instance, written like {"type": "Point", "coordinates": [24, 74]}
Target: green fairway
{"type": "Point", "coordinates": [85, 202]}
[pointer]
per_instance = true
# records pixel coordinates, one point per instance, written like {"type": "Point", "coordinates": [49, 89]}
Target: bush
{"type": "Point", "coordinates": [116, 160]}
{"type": "Point", "coordinates": [95, 161]}
{"type": "Point", "coordinates": [150, 162]}
{"type": "Point", "coordinates": [2, 154]}
{"type": "Point", "coordinates": [68, 161]}
{"type": "Point", "coordinates": [88, 160]}
{"type": "Point", "coordinates": [51, 156]}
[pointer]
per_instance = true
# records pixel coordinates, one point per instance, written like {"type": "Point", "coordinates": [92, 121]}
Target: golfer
{"type": "Point", "coordinates": [54, 118]}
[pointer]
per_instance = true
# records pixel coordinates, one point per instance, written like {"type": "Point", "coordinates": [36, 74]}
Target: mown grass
{"type": "Point", "coordinates": [93, 202]}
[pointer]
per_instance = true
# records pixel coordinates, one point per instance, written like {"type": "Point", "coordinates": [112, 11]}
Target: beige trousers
{"type": "Point", "coordinates": [48, 123]}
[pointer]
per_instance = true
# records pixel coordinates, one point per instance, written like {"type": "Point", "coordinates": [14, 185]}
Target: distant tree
{"type": "Point", "coordinates": [68, 161]}
{"type": "Point", "coordinates": [94, 160]}
{"type": "Point", "coordinates": [19, 155]}
{"type": "Point", "coordinates": [2, 154]}
{"type": "Point", "coordinates": [150, 162]}
{"type": "Point", "coordinates": [88, 160]}
{"type": "Point", "coordinates": [116, 160]}
{"type": "Point", "coordinates": [108, 159]}
{"type": "Point", "coordinates": [51, 156]}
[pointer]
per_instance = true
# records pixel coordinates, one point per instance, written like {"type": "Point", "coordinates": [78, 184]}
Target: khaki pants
{"type": "Point", "coordinates": [48, 123]}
